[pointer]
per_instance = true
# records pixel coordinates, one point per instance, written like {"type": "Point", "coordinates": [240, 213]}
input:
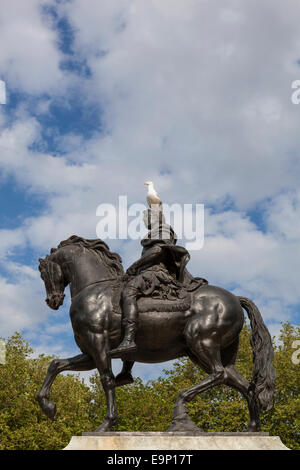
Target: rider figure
{"type": "Point", "coordinates": [160, 254]}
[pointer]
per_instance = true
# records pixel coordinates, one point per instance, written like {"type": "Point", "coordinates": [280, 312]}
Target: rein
{"type": "Point", "coordinates": [120, 278]}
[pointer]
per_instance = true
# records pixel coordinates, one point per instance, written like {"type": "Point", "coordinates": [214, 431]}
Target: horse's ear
{"type": "Point", "coordinates": [42, 263]}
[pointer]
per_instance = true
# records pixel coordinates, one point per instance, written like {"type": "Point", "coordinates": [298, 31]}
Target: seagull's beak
{"type": "Point", "coordinates": [146, 183]}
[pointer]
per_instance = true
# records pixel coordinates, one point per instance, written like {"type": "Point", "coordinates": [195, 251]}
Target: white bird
{"type": "Point", "coordinates": [153, 198]}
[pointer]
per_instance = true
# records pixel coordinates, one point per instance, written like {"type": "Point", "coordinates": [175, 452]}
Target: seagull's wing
{"type": "Point", "coordinates": [153, 199]}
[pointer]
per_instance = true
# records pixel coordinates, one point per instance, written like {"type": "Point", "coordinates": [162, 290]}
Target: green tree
{"type": "Point", "coordinates": [141, 407]}
{"type": "Point", "coordinates": [22, 423]}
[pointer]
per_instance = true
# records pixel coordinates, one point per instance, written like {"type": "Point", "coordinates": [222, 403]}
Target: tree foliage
{"type": "Point", "coordinates": [141, 407]}
{"type": "Point", "coordinates": [22, 424]}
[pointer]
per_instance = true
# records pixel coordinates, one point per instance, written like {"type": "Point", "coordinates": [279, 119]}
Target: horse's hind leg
{"type": "Point", "coordinates": [125, 377]}
{"type": "Point", "coordinates": [235, 380]}
{"type": "Point", "coordinates": [207, 351]}
{"type": "Point", "coordinates": [82, 362]}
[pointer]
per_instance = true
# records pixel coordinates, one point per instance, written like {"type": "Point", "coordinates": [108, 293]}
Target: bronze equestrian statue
{"type": "Point", "coordinates": [167, 314]}
{"type": "Point", "coordinates": [160, 270]}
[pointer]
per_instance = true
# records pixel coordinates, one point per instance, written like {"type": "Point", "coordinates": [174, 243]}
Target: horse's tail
{"type": "Point", "coordinates": [264, 374]}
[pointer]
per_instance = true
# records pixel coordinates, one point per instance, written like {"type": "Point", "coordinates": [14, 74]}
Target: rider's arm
{"type": "Point", "coordinates": [151, 256]}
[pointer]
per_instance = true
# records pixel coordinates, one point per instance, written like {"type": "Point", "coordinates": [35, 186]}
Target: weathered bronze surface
{"type": "Point", "coordinates": [167, 313]}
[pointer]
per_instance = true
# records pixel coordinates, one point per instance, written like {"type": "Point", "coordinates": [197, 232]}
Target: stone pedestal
{"type": "Point", "coordinates": [175, 441]}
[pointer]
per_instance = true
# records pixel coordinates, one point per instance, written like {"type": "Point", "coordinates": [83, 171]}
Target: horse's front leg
{"type": "Point", "coordinates": [99, 348]}
{"type": "Point", "coordinates": [82, 362]}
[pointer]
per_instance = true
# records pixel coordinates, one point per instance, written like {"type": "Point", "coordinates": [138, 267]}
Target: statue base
{"type": "Point", "coordinates": [175, 441]}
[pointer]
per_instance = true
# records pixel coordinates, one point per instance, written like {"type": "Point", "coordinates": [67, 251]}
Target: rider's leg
{"type": "Point", "coordinates": [130, 313]}
{"type": "Point", "coordinates": [130, 318]}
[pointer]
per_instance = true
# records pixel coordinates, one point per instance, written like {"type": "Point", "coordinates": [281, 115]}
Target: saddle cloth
{"type": "Point", "coordinates": [152, 304]}
{"type": "Point", "coordinates": [148, 304]}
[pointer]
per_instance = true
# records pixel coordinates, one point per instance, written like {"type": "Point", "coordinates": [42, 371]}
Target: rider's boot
{"type": "Point", "coordinates": [128, 344]}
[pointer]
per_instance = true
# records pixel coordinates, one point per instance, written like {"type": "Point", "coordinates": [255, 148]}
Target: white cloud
{"type": "Point", "coordinates": [21, 304]}
{"type": "Point", "coordinates": [193, 95]}
{"type": "Point", "coordinates": [29, 56]}
{"type": "Point", "coordinates": [262, 266]}
{"type": "Point", "coordinates": [2, 92]}
{"type": "Point", "coordinates": [9, 239]}
{"type": "Point", "coordinates": [284, 216]}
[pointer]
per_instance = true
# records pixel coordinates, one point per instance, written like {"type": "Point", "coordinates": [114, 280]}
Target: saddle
{"type": "Point", "coordinates": [159, 292]}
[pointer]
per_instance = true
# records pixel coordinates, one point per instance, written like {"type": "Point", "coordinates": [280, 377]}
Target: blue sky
{"type": "Point", "coordinates": [195, 96]}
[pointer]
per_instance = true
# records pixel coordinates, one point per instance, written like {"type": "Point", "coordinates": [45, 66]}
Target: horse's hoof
{"type": "Point", "coordinates": [252, 428]}
{"type": "Point", "coordinates": [48, 407]}
{"type": "Point", "coordinates": [123, 379]}
{"type": "Point", "coordinates": [50, 410]}
{"type": "Point", "coordinates": [106, 426]}
{"type": "Point", "coordinates": [184, 424]}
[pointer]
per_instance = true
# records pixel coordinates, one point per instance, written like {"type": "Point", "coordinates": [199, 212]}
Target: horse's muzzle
{"type": "Point", "coordinates": [55, 300]}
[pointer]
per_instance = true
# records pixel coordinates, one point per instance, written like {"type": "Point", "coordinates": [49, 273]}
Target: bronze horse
{"type": "Point", "coordinates": [208, 333]}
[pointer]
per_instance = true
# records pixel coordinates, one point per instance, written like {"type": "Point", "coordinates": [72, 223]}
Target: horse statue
{"type": "Point", "coordinates": [206, 330]}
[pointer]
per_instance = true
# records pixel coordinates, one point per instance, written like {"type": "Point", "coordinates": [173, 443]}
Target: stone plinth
{"type": "Point", "coordinates": [175, 441]}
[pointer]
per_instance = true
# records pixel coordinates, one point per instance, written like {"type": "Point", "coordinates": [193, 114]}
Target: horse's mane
{"type": "Point", "coordinates": [100, 248]}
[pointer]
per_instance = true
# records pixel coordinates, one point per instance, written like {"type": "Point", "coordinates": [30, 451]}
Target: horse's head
{"type": "Point", "coordinates": [53, 278]}
{"type": "Point", "coordinates": [77, 262]}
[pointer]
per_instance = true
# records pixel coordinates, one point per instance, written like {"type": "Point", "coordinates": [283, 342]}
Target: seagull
{"type": "Point", "coordinates": [153, 198]}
